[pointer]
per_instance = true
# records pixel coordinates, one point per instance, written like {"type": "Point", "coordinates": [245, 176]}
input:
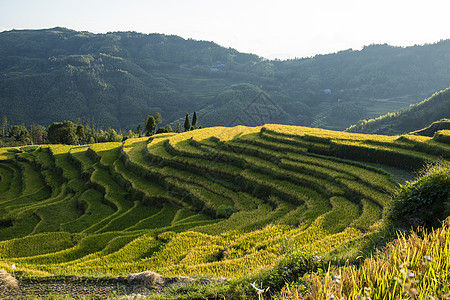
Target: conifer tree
{"type": "Point", "coordinates": [194, 120]}
{"type": "Point", "coordinates": [139, 130]}
{"type": "Point", "coordinates": [187, 123]}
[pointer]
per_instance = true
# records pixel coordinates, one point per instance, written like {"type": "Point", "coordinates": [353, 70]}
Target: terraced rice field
{"type": "Point", "coordinates": [218, 202]}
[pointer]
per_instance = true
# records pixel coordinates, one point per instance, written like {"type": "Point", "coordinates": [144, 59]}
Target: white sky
{"type": "Point", "coordinates": [272, 29]}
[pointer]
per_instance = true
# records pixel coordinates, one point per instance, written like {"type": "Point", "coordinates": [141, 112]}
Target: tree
{"type": "Point", "coordinates": [63, 133]}
{"type": "Point", "coordinates": [19, 134]}
{"type": "Point", "coordinates": [194, 120]}
{"type": "Point", "coordinates": [178, 128]}
{"type": "Point", "coordinates": [166, 129]}
{"type": "Point", "coordinates": [161, 130]}
{"type": "Point", "coordinates": [113, 136]}
{"type": "Point", "coordinates": [4, 124]}
{"type": "Point", "coordinates": [139, 130]}
{"type": "Point", "coordinates": [80, 134]}
{"type": "Point", "coordinates": [38, 134]}
{"type": "Point", "coordinates": [187, 123]}
{"type": "Point", "coordinates": [158, 118]}
{"type": "Point", "coordinates": [150, 125]}
{"type": "Point", "coordinates": [130, 134]}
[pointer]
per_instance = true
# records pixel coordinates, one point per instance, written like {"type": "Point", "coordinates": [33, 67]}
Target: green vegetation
{"type": "Point", "coordinates": [414, 118]}
{"type": "Point", "coordinates": [442, 136]}
{"type": "Point", "coordinates": [69, 133]}
{"type": "Point", "coordinates": [247, 203]}
{"type": "Point", "coordinates": [442, 124]}
{"type": "Point", "coordinates": [115, 80]}
{"type": "Point", "coordinates": [411, 267]}
{"type": "Point", "coordinates": [61, 133]}
{"type": "Point", "coordinates": [425, 201]}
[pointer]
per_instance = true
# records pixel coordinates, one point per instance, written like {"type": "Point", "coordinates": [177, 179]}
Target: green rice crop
{"type": "Point", "coordinates": [19, 227]}
{"type": "Point", "coordinates": [6, 175]}
{"type": "Point", "coordinates": [220, 202]}
{"type": "Point", "coordinates": [80, 154]}
{"type": "Point", "coordinates": [52, 216]}
{"type": "Point", "coordinates": [15, 183]}
{"type": "Point", "coordinates": [62, 161]}
{"type": "Point", "coordinates": [43, 158]}
{"type": "Point", "coordinates": [95, 210]}
{"type": "Point", "coordinates": [108, 152]}
{"type": "Point", "coordinates": [162, 218]}
{"type": "Point", "coordinates": [35, 244]}
{"type": "Point", "coordinates": [86, 245]}
{"type": "Point", "coordinates": [131, 217]}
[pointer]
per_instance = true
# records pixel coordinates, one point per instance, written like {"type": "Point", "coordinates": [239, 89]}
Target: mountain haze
{"type": "Point", "coordinates": [119, 78]}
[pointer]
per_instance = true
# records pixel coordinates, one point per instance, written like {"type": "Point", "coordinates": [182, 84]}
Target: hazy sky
{"type": "Point", "coordinates": [273, 29]}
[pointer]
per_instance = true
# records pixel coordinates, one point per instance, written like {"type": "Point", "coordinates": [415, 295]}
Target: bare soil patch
{"type": "Point", "coordinates": [135, 285]}
{"type": "Point", "coordinates": [74, 286]}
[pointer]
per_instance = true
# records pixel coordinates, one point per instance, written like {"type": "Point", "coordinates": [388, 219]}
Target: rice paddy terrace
{"type": "Point", "coordinates": [217, 201]}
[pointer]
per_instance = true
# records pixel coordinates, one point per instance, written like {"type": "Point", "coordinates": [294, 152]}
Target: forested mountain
{"type": "Point", "coordinates": [119, 78]}
{"type": "Point", "coordinates": [415, 117]}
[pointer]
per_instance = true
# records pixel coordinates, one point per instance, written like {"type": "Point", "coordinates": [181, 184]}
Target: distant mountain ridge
{"type": "Point", "coordinates": [119, 78]}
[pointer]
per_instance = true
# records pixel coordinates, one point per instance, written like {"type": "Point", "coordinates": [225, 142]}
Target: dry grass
{"type": "Point", "coordinates": [7, 282]}
{"type": "Point", "coordinates": [147, 279]}
{"type": "Point", "coordinates": [412, 267]}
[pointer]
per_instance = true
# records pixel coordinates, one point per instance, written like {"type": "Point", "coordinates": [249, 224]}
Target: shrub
{"type": "Point", "coordinates": [290, 269]}
{"type": "Point", "coordinates": [425, 201]}
{"type": "Point", "coordinates": [224, 211]}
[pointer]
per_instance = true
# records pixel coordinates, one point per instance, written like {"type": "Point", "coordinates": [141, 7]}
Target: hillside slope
{"type": "Point", "coordinates": [119, 78]}
{"type": "Point", "coordinates": [221, 201]}
{"type": "Point", "coordinates": [414, 118]}
{"type": "Point", "coordinates": [442, 124]}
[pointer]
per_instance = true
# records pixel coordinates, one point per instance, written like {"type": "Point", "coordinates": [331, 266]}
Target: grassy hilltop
{"type": "Point", "coordinates": [215, 202]}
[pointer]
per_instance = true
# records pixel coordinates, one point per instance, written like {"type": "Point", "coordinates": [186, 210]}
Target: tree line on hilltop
{"type": "Point", "coordinates": [85, 132]}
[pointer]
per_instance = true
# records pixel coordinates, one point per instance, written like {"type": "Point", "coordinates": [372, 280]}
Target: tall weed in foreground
{"type": "Point", "coordinates": [412, 267]}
